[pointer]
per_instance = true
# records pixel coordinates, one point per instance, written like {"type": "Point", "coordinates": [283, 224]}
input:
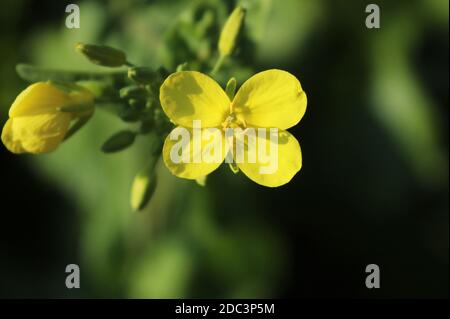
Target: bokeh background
{"type": "Point", "coordinates": [373, 187]}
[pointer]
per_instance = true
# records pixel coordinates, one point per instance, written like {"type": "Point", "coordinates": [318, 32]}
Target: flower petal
{"type": "Point", "coordinates": [13, 145]}
{"type": "Point", "coordinates": [277, 170]}
{"type": "Point", "coordinates": [188, 95]}
{"type": "Point", "coordinates": [273, 98]}
{"type": "Point", "coordinates": [35, 134]}
{"type": "Point", "coordinates": [38, 98]}
{"type": "Point", "coordinates": [174, 152]}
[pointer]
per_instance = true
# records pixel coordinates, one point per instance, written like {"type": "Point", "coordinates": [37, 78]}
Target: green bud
{"type": "Point", "coordinates": [230, 31]}
{"type": "Point", "coordinates": [163, 73]}
{"type": "Point", "coordinates": [102, 54]}
{"type": "Point", "coordinates": [153, 88]}
{"type": "Point", "coordinates": [160, 121]}
{"type": "Point", "coordinates": [132, 91]}
{"type": "Point", "coordinates": [137, 104]}
{"type": "Point", "coordinates": [143, 187]}
{"type": "Point", "coordinates": [146, 126]}
{"type": "Point", "coordinates": [182, 67]}
{"type": "Point", "coordinates": [142, 75]}
{"type": "Point", "coordinates": [231, 88]}
{"type": "Point", "coordinates": [129, 114]}
{"type": "Point", "coordinates": [119, 141]}
{"type": "Point", "coordinates": [149, 104]}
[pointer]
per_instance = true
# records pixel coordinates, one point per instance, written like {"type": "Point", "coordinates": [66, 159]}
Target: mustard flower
{"type": "Point", "coordinates": [269, 99]}
{"type": "Point", "coordinates": [37, 121]}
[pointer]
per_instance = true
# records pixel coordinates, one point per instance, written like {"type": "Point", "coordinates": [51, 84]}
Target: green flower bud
{"type": "Point", "coordinates": [137, 104]}
{"type": "Point", "coordinates": [163, 73]}
{"type": "Point", "coordinates": [230, 31]}
{"type": "Point", "coordinates": [182, 67]}
{"type": "Point", "coordinates": [119, 141]}
{"type": "Point", "coordinates": [129, 114]}
{"type": "Point", "coordinates": [102, 54]}
{"type": "Point", "coordinates": [231, 88]}
{"type": "Point", "coordinates": [143, 187]}
{"type": "Point", "coordinates": [142, 75]}
{"type": "Point", "coordinates": [146, 126]}
{"type": "Point", "coordinates": [149, 104]}
{"type": "Point", "coordinates": [133, 91]}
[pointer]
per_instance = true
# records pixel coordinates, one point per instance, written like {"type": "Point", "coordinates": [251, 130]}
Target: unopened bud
{"type": "Point", "coordinates": [231, 88]}
{"type": "Point", "coordinates": [102, 54]}
{"type": "Point", "coordinates": [230, 31]}
{"type": "Point", "coordinates": [144, 185]}
{"type": "Point", "coordinates": [132, 91]}
{"type": "Point", "coordinates": [119, 141]}
{"type": "Point", "coordinates": [142, 75]}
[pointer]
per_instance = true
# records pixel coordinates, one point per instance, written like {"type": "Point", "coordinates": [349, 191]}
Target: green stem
{"type": "Point", "coordinates": [218, 64]}
{"type": "Point", "coordinates": [35, 74]}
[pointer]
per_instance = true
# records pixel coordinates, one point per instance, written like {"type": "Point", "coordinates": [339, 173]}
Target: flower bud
{"type": "Point", "coordinates": [119, 141]}
{"type": "Point", "coordinates": [102, 54]}
{"type": "Point", "coordinates": [142, 75]}
{"type": "Point", "coordinates": [230, 31]}
{"type": "Point", "coordinates": [133, 91]}
{"type": "Point", "coordinates": [143, 187]}
{"type": "Point", "coordinates": [130, 114]}
{"type": "Point", "coordinates": [36, 121]}
{"type": "Point", "coordinates": [231, 88]}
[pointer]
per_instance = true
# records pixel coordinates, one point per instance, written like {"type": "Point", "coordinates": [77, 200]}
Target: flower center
{"type": "Point", "coordinates": [233, 121]}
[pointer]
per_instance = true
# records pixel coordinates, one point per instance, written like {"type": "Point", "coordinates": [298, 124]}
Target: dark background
{"type": "Point", "coordinates": [373, 187]}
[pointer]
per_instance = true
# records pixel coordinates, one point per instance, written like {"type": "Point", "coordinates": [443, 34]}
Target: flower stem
{"type": "Point", "coordinates": [218, 64]}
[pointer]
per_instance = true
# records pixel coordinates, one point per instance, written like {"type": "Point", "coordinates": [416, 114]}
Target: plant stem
{"type": "Point", "coordinates": [217, 65]}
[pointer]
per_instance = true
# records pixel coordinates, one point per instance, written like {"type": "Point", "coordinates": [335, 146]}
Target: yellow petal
{"type": "Point", "coordinates": [190, 161]}
{"type": "Point", "coordinates": [273, 98]}
{"type": "Point", "coordinates": [35, 134]}
{"type": "Point", "coordinates": [188, 95]}
{"type": "Point", "coordinates": [38, 98]}
{"type": "Point", "coordinates": [14, 146]}
{"type": "Point", "coordinates": [275, 170]}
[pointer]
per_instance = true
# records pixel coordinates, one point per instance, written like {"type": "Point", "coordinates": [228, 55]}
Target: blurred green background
{"type": "Point", "coordinates": [373, 187]}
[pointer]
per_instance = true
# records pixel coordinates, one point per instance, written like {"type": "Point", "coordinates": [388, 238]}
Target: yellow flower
{"type": "Point", "coordinates": [36, 123]}
{"type": "Point", "coordinates": [270, 99]}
